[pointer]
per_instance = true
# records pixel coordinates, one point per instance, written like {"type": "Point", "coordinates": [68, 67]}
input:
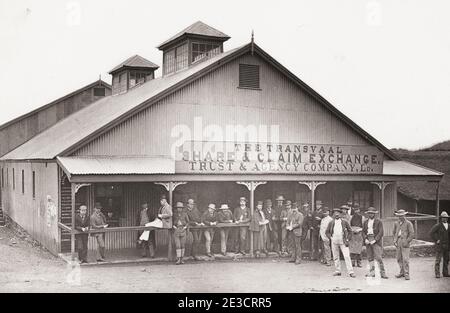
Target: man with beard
{"type": "Point", "coordinates": [241, 216]}
{"type": "Point", "coordinates": [440, 233]}
{"type": "Point", "coordinates": [272, 235]}
{"type": "Point", "coordinates": [372, 233]}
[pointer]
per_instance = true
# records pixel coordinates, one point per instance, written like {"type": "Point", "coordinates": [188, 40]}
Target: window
{"type": "Point", "coordinates": [176, 59]}
{"type": "Point", "coordinates": [181, 56]}
{"type": "Point", "coordinates": [204, 50]}
{"type": "Point", "coordinates": [137, 78]}
{"type": "Point", "coordinates": [169, 61]}
{"type": "Point", "coordinates": [23, 182]}
{"type": "Point", "coordinates": [99, 92]}
{"type": "Point", "coordinates": [14, 179]}
{"type": "Point", "coordinates": [123, 82]}
{"type": "Point", "coordinates": [34, 184]}
{"type": "Point", "coordinates": [116, 84]}
{"type": "Point", "coordinates": [249, 76]}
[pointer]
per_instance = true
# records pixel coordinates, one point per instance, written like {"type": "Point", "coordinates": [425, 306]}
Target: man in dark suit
{"type": "Point", "coordinates": [440, 233]}
{"type": "Point", "coordinates": [258, 227]}
{"type": "Point", "coordinates": [403, 235]}
{"type": "Point", "coordinates": [372, 233]}
{"type": "Point", "coordinates": [294, 227]}
{"type": "Point", "coordinates": [272, 234]}
{"type": "Point", "coordinates": [82, 224]}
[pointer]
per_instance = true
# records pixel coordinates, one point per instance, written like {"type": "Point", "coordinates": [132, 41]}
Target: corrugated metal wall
{"type": "Point", "coordinates": [21, 131]}
{"type": "Point", "coordinates": [31, 213]}
{"type": "Point", "coordinates": [217, 100]}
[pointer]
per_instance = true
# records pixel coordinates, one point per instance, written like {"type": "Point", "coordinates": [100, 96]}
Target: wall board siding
{"type": "Point", "coordinates": [216, 99]}
{"type": "Point", "coordinates": [31, 213]}
{"type": "Point", "coordinates": [17, 133]}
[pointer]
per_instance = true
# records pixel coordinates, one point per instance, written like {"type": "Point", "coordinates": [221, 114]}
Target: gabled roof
{"type": "Point", "coordinates": [199, 29]}
{"type": "Point", "coordinates": [87, 124]}
{"type": "Point", "coordinates": [82, 89]}
{"type": "Point", "coordinates": [136, 61]}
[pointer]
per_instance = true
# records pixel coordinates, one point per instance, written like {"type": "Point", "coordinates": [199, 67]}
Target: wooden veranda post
{"type": "Point", "coordinates": [312, 185]}
{"type": "Point", "coordinates": [251, 186]}
{"type": "Point", "coordinates": [170, 187]}
{"type": "Point", "coordinates": [437, 201]}
{"type": "Point", "coordinates": [252, 202]}
{"type": "Point", "coordinates": [72, 228]}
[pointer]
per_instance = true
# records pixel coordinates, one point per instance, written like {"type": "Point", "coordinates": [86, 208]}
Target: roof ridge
{"type": "Point", "coordinates": [146, 95]}
{"type": "Point", "coordinates": [43, 107]}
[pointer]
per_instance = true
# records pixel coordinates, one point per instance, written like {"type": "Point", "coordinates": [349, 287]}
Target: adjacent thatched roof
{"type": "Point", "coordinates": [435, 159]}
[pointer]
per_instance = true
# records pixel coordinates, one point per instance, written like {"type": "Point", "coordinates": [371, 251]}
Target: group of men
{"type": "Point", "coordinates": [281, 229]}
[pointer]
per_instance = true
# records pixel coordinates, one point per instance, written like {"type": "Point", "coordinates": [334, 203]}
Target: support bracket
{"type": "Point", "coordinates": [251, 185]}
{"type": "Point", "coordinates": [312, 185]}
{"type": "Point", "coordinates": [79, 186]}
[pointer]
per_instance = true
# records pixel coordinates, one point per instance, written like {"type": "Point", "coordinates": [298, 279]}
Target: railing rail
{"type": "Point", "coordinates": [138, 228]}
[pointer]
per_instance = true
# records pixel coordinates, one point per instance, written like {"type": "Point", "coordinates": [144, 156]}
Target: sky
{"type": "Point", "coordinates": [383, 63]}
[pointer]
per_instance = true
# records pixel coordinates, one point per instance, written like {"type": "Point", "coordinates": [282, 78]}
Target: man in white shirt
{"type": "Point", "coordinates": [340, 233]}
{"type": "Point", "coordinates": [441, 237]}
{"type": "Point", "coordinates": [326, 255]}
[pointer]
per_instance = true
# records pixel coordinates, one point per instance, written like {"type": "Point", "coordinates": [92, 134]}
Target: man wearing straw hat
{"type": "Point", "coordinates": [224, 217]}
{"type": "Point", "coordinates": [340, 233]}
{"type": "Point", "coordinates": [372, 233]}
{"type": "Point", "coordinates": [440, 233]}
{"type": "Point", "coordinates": [209, 218]}
{"type": "Point", "coordinates": [403, 235]}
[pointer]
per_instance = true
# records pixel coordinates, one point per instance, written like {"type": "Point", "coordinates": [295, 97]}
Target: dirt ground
{"type": "Point", "coordinates": [26, 268]}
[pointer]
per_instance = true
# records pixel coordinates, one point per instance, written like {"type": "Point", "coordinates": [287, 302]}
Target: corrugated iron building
{"type": "Point", "coordinates": [133, 145]}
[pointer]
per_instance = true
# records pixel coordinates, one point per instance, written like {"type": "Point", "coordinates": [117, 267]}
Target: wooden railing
{"type": "Point", "coordinates": [138, 228]}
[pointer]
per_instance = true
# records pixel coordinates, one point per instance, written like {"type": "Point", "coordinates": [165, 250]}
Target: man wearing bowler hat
{"type": "Point", "coordinates": [224, 217]}
{"type": "Point", "coordinates": [285, 241]}
{"type": "Point", "coordinates": [98, 221]}
{"type": "Point", "coordinates": [145, 216]}
{"type": "Point", "coordinates": [403, 235]}
{"type": "Point", "coordinates": [372, 233]}
{"type": "Point", "coordinates": [440, 233]}
{"type": "Point", "coordinates": [165, 212]}
{"type": "Point", "coordinates": [340, 233]}
{"type": "Point", "coordinates": [194, 220]}
{"type": "Point", "coordinates": [315, 223]}
{"type": "Point", "coordinates": [241, 216]}
{"type": "Point", "coordinates": [272, 235]}
{"type": "Point", "coordinates": [294, 228]}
